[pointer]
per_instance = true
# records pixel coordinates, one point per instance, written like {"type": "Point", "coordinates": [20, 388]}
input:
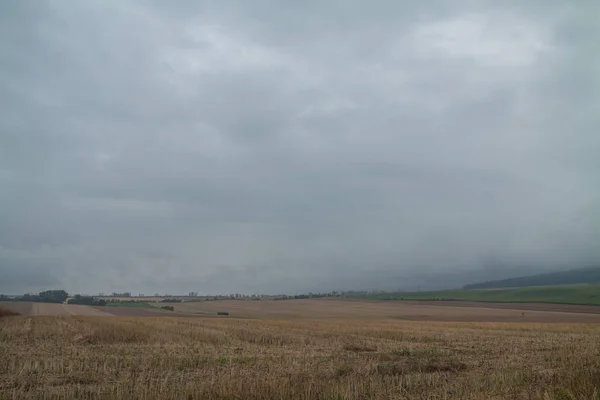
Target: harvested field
{"type": "Point", "coordinates": [142, 312]}
{"type": "Point", "coordinates": [335, 308]}
{"type": "Point", "coordinates": [35, 309]}
{"type": "Point", "coordinates": [6, 312]}
{"type": "Point", "coordinates": [347, 358]}
{"type": "Point", "coordinates": [422, 311]}
{"type": "Point", "coordinates": [568, 308]}
{"type": "Point", "coordinates": [31, 309]}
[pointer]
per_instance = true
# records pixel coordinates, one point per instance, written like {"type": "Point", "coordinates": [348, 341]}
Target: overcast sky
{"type": "Point", "coordinates": [269, 146]}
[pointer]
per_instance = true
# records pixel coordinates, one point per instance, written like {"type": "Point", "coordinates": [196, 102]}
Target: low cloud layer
{"type": "Point", "coordinates": [267, 147]}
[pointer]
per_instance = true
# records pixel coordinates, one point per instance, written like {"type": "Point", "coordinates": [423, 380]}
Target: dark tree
{"type": "Point", "coordinates": [53, 296]}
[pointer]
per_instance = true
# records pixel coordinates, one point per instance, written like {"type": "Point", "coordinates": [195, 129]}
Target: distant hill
{"type": "Point", "coordinates": [571, 277]}
{"type": "Point", "coordinates": [565, 294]}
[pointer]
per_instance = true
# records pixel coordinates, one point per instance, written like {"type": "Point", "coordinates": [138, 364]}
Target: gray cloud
{"type": "Point", "coordinates": [262, 147]}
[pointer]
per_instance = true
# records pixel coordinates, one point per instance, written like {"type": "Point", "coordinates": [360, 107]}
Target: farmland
{"type": "Point", "coordinates": [30, 309]}
{"type": "Point", "coordinates": [33, 309]}
{"type": "Point", "coordinates": [404, 310]}
{"type": "Point", "coordinates": [313, 349]}
{"type": "Point", "coordinates": [7, 312]}
{"type": "Point", "coordinates": [563, 294]}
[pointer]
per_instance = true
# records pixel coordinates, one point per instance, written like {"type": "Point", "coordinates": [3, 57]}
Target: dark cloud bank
{"type": "Point", "coordinates": [297, 146]}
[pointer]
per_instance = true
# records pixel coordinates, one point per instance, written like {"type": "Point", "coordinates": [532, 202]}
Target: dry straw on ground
{"type": "Point", "coordinates": [180, 358]}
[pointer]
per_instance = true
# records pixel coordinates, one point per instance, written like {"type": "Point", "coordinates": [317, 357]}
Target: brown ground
{"type": "Point", "coordinates": [335, 308]}
{"type": "Point", "coordinates": [6, 312]}
{"type": "Point", "coordinates": [568, 308]}
{"type": "Point", "coordinates": [30, 309]}
{"type": "Point", "coordinates": [118, 358]}
{"type": "Point", "coordinates": [421, 311]}
{"type": "Point", "coordinates": [143, 312]}
{"type": "Point", "coordinates": [35, 309]}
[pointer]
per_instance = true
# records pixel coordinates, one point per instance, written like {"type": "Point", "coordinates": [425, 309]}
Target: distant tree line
{"type": "Point", "coordinates": [308, 296]}
{"type": "Point", "coordinates": [55, 296]}
{"type": "Point", "coordinates": [86, 300]}
{"type": "Point", "coordinates": [48, 296]}
{"type": "Point", "coordinates": [61, 296]}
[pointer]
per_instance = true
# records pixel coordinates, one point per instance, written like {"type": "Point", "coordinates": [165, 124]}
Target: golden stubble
{"type": "Point", "coordinates": [342, 358]}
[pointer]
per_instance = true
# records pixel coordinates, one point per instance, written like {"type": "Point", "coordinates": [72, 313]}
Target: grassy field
{"type": "Point", "coordinates": [569, 277]}
{"type": "Point", "coordinates": [138, 304]}
{"type": "Point", "coordinates": [196, 358]}
{"type": "Point", "coordinates": [568, 294]}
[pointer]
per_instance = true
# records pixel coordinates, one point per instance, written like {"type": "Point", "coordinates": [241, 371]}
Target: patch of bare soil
{"type": "Point", "coordinates": [6, 312]}
{"type": "Point", "coordinates": [20, 307]}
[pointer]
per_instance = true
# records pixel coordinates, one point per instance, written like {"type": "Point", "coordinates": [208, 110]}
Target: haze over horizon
{"type": "Point", "coordinates": [261, 147]}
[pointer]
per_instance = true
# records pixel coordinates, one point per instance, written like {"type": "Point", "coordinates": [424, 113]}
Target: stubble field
{"type": "Point", "coordinates": [346, 357]}
{"type": "Point", "coordinates": [404, 310]}
{"type": "Point", "coordinates": [34, 309]}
